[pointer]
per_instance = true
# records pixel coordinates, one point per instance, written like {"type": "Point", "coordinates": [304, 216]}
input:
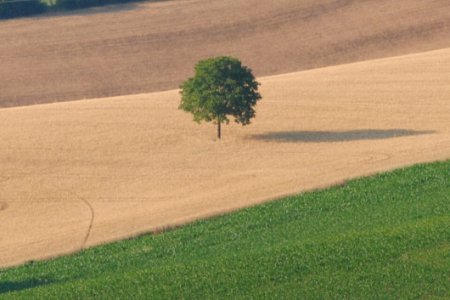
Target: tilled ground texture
{"type": "Point", "coordinates": [153, 46]}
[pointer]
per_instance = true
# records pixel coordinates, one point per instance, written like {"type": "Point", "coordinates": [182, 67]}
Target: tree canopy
{"type": "Point", "coordinates": [221, 87]}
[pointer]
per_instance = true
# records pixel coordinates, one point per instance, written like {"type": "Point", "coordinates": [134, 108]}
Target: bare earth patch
{"type": "Point", "coordinates": [147, 47]}
{"type": "Point", "coordinates": [87, 172]}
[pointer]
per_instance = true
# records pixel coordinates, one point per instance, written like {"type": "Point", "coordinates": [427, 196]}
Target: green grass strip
{"type": "Point", "coordinates": [381, 237]}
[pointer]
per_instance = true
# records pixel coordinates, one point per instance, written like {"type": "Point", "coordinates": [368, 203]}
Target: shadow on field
{"type": "Point", "coordinates": [12, 286]}
{"type": "Point", "coordinates": [336, 136]}
{"type": "Point", "coordinates": [94, 10]}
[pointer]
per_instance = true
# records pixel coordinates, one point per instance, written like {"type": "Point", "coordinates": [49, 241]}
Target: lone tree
{"type": "Point", "coordinates": [221, 87]}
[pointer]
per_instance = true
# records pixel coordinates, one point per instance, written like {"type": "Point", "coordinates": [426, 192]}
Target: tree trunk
{"type": "Point", "coordinates": [219, 133]}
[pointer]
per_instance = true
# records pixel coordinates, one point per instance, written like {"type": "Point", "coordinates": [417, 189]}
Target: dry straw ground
{"type": "Point", "coordinates": [80, 173]}
{"type": "Point", "coordinates": [148, 47]}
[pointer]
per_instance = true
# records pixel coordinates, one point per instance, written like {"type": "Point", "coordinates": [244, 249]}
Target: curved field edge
{"type": "Point", "coordinates": [142, 164]}
{"type": "Point", "coordinates": [382, 236]}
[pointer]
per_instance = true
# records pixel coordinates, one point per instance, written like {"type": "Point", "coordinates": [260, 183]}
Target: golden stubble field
{"type": "Point", "coordinates": [77, 174]}
{"type": "Point", "coordinates": [152, 46]}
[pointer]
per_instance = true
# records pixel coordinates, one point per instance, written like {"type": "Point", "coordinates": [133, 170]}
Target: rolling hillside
{"type": "Point", "coordinates": [77, 174]}
{"type": "Point", "coordinates": [152, 46]}
{"type": "Point", "coordinates": [386, 236]}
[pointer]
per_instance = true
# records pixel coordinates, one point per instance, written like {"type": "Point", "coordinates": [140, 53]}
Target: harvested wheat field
{"type": "Point", "coordinates": [152, 46]}
{"type": "Point", "coordinates": [77, 174]}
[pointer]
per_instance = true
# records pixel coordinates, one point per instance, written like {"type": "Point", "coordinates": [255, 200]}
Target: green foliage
{"type": "Point", "coordinates": [221, 87]}
{"type": "Point", "coordinates": [382, 237]}
{"type": "Point", "coordinates": [50, 2]}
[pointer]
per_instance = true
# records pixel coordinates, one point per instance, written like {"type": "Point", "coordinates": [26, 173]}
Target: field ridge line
{"type": "Point", "coordinates": [91, 222]}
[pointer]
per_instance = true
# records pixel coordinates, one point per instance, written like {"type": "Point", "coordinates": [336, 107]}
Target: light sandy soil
{"type": "Point", "coordinates": [77, 174]}
{"type": "Point", "coordinates": [148, 47]}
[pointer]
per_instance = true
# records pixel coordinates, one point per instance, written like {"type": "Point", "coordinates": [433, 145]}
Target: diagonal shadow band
{"type": "Point", "coordinates": [104, 7]}
{"type": "Point", "coordinates": [13, 286]}
{"type": "Point", "coordinates": [336, 136]}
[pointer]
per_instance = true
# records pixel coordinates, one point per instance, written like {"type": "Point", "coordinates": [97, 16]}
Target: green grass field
{"type": "Point", "coordinates": [382, 237]}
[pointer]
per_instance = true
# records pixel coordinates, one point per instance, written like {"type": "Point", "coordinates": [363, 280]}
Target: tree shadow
{"type": "Point", "coordinates": [13, 286]}
{"type": "Point", "coordinates": [336, 136]}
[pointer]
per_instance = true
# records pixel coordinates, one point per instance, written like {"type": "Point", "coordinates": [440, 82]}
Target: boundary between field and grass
{"type": "Point", "coordinates": [380, 236]}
